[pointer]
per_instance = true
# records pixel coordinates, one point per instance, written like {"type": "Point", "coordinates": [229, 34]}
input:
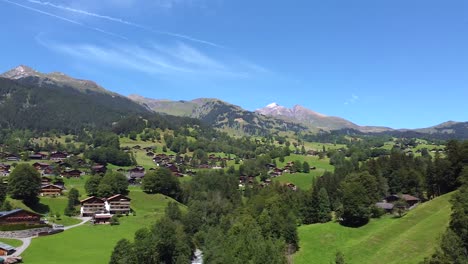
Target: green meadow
{"type": "Point", "coordinates": [387, 240]}
{"type": "Point", "coordinates": [94, 243]}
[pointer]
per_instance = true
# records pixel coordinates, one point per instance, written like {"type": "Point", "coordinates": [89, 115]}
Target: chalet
{"type": "Point", "coordinates": [92, 205]}
{"type": "Point", "coordinates": [48, 171]}
{"type": "Point", "coordinates": [19, 216]}
{"type": "Point", "coordinates": [45, 180]}
{"type": "Point", "coordinates": [388, 207]}
{"type": "Point", "coordinates": [99, 169]}
{"type": "Point", "coordinates": [51, 190]}
{"type": "Point", "coordinates": [58, 156]}
{"type": "Point", "coordinates": [172, 167]}
{"type": "Point", "coordinates": [312, 152]}
{"type": "Point", "coordinates": [38, 156]}
{"type": "Point", "coordinates": [136, 173]}
{"type": "Point", "coordinates": [118, 204]}
{"type": "Point", "coordinates": [59, 182]}
{"type": "Point", "coordinates": [72, 173]}
{"type": "Point", "coordinates": [40, 165]}
{"type": "Point", "coordinates": [291, 186]}
{"type": "Point", "coordinates": [4, 169]}
{"type": "Point", "coordinates": [409, 199]}
{"type": "Point", "coordinates": [12, 157]}
{"type": "Point", "coordinates": [102, 218]}
{"type": "Point", "coordinates": [149, 154]}
{"type": "Point", "coordinates": [6, 249]}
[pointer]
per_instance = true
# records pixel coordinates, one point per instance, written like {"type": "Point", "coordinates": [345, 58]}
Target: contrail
{"type": "Point", "coordinates": [125, 22]}
{"type": "Point", "coordinates": [66, 19]}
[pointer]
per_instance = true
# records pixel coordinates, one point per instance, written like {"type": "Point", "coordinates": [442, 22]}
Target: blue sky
{"type": "Point", "coordinates": [398, 63]}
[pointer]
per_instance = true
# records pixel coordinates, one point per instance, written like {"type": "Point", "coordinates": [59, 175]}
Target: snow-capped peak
{"type": "Point", "coordinates": [272, 105]}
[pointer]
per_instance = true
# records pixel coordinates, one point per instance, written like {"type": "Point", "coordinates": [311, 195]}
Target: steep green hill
{"type": "Point", "coordinates": [388, 240]}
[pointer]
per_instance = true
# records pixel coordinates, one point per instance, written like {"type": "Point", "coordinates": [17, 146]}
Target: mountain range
{"type": "Point", "coordinates": [21, 89]}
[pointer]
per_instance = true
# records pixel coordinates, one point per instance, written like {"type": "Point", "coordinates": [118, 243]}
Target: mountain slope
{"type": "Point", "coordinates": [314, 119]}
{"type": "Point", "coordinates": [220, 114]}
{"type": "Point", "coordinates": [36, 101]}
{"type": "Point", "coordinates": [385, 240]}
{"type": "Point", "coordinates": [27, 75]}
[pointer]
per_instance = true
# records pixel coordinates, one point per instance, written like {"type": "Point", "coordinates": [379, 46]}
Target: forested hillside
{"type": "Point", "coordinates": [28, 106]}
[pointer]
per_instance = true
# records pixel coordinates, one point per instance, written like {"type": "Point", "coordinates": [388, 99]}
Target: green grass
{"type": "Point", "coordinates": [58, 205]}
{"type": "Point", "coordinates": [388, 240]}
{"type": "Point", "coordinates": [94, 244]}
{"type": "Point", "coordinates": [12, 242]}
{"type": "Point", "coordinates": [301, 180]}
{"type": "Point", "coordinates": [304, 180]}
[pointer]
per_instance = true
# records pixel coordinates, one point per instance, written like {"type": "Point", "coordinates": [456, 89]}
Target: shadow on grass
{"type": "Point", "coordinates": [39, 208]}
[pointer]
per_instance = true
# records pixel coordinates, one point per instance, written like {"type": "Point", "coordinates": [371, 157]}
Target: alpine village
{"type": "Point", "coordinates": [91, 176]}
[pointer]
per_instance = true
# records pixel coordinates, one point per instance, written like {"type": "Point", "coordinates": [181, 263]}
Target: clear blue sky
{"type": "Point", "coordinates": [395, 63]}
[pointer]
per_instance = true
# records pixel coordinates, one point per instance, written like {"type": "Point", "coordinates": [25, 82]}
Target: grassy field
{"type": "Point", "coordinates": [94, 243]}
{"type": "Point", "coordinates": [301, 180]}
{"type": "Point", "coordinates": [388, 240]}
{"type": "Point", "coordinates": [11, 242]}
{"type": "Point", "coordinates": [304, 180]}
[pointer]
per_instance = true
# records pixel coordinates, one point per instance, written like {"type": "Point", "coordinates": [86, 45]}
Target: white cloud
{"type": "Point", "coordinates": [178, 59]}
{"type": "Point", "coordinates": [66, 19]}
{"type": "Point", "coordinates": [123, 21]}
{"type": "Point", "coordinates": [353, 99]}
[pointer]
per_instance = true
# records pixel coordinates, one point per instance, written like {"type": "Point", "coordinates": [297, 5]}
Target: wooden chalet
{"type": "Point", "coordinates": [19, 216]}
{"type": "Point", "coordinates": [6, 249]}
{"type": "Point", "coordinates": [4, 169]}
{"type": "Point", "coordinates": [291, 186]}
{"type": "Point", "coordinates": [101, 218]}
{"type": "Point", "coordinates": [45, 180]}
{"type": "Point", "coordinates": [38, 156]}
{"type": "Point", "coordinates": [12, 157]}
{"type": "Point", "coordinates": [72, 173]}
{"type": "Point", "coordinates": [92, 205]}
{"type": "Point", "coordinates": [58, 156]}
{"type": "Point", "coordinates": [118, 204]}
{"type": "Point", "coordinates": [99, 169]}
{"type": "Point", "coordinates": [40, 165]}
{"type": "Point", "coordinates": [51, 190]}
{"type": "Point", "coordinates": [409, 199]}
{"type": "Point", "coordinates": [388, 207]}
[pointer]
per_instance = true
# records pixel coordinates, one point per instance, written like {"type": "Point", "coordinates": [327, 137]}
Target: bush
{"type": "Point", "coordinates": [114, 220]}
{"type": "Point", "coordinates": [377, 212]}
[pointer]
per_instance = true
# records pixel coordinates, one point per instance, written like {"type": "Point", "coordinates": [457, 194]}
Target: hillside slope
{"type": "Point", "coordinates": [388, 240]}
{"type": "Point", "coordinates": [40, 103]}
{"type": "Point", "coordinates": [221, 115]}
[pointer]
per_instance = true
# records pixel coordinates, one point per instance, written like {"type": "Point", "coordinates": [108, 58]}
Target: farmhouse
{"type": "Point", "coordinates": [19, 216]}
{"type": "Point", "coordinates": [72, 173]}
{"type": "Point", "coordinates": [6, 249]}
{"type": "Point", "coordinates": [101, 218]}
{"type": "Point", "coordinates": [99, 169]}
{"type": "Point", "coordinates": [92, 205]}
{"type": "Point", "coordinates": [388, 207]}
{"type": "Point", "coordinates": [58, 156]}
{"type": "Point", "coordinates": [410, 200]}
{"type": "Point", "coordinates": [118, 204]}
{"type": "Point", "coordinates": [51, 190]}
{"type": "Point", "coordinates": [38, 156]}
{"type": "Point", "coordinates": [40, 165]}
{"type": "Point", "coordinates": [12, 157]}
